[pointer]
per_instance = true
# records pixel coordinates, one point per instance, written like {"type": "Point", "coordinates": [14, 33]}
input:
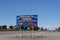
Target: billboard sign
{"type": "Point", "coordinates": [26, 20]}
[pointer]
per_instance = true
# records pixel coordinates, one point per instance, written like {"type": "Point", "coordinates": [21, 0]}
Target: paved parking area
{"type": "Point", "coordinates": [15, 35]}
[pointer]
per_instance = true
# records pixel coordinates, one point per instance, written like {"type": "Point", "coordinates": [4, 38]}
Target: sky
{"type": "Point", "coordinates": [48, 11]}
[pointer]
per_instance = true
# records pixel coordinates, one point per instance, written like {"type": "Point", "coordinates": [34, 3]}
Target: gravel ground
{"type": "Point", "coordinates": [27, 35]}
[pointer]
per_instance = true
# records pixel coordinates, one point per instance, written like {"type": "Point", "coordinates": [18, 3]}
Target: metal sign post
{"type": "Point", "coordinates": [32, 34]}
{"type": "Point", "coordinates": [20, 32]}
{"type": "Point", "coordinates": [20, 24]}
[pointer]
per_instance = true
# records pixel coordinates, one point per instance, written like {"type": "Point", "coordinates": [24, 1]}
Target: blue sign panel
{"type": "Point", "coordinates": [26, 20]}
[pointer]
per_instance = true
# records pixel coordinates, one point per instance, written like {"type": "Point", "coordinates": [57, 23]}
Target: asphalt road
{"type": "Point", "coordinates": [15, 35]}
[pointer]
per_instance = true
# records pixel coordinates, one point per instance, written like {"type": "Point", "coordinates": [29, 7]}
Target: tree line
{"type": "Point", "coordinates": [11, 27]}
{"type": "Point", "coordinates": [4, 27]}
{"type": "Point", "coordinates": [57, 29]}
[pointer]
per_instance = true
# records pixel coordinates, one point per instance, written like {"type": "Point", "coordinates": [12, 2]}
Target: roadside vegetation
{"type": "Point", "coordinates": [13, 28]}
{"type": "Point", "coordinates": [57, 29]}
